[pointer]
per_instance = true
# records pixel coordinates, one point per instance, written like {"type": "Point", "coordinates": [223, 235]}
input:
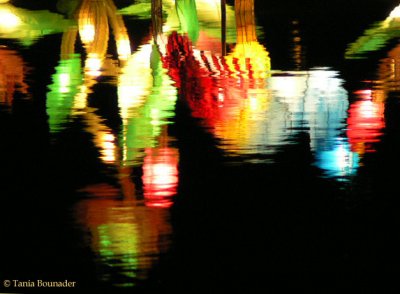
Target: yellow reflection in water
{"type": "Point", "coordinates": [29, 25]}
{"type": "Point", "coordinates": [94, 21]}
{"type": "Point", "coordinates": [72, 84]}
{"type": "Point", "coordinates": [248, 57]}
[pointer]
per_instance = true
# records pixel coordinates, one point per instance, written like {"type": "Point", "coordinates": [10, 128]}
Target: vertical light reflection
{"type": "Point", "coordinates": [103, 137]}
{"type": "Point", "coordinates": [366, 115]}
{"type": "Point", "coordinates": [12, 76]}
{"type": "Point", "coordinates": [160, 176]}
{"type": "Point", "coordinates": [365, 122]}
{"type": "Point", "coordinates": [187, 14]}
{"type": "Point", "coordinates": [146, 99]}
{"type": "Point", "coordinates": [127, 238]}
{"type": "Point", "coordinates": [129, 235]}
{"type": "Point", "coordinates": [339, 160]}
{"type": "Point", "coordinates": [297, 49]}
{"type": "Point", "coordinates": [200, 20]}
{"type": "Point", "coordinates": [316, 103]}
{"type": "Point", "coordinates": [249, 59]}
{"type": "Point", "coordinates": [72, 85]}
{"type": "Point", "coordinates": [95, 18]}
{"type": "Point", "coordinates": [63, 90]}
{"type": "Point", "coordinates": [228, 94]}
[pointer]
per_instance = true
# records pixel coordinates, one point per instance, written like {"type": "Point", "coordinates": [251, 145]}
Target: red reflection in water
{"type": "Point", "coordinates": [11, 75]}
{"type": "Point", "coordinates": [160, 176]}
{"type": "Point", "coordinates": [225, 92]}
{"type": "Point", "coordinates": [194, 82]}
{"type": "Point", "coordinates": [365, 122]}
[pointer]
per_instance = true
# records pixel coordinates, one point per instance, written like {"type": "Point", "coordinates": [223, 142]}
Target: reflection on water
{"type": "Point", "coordinates": [27, 26]}
{"type": "Point", "coordinates": [251, 110]}
{"type": "Point", "coordinates": [200, 19]}
{"type": "Point", "coordinates": [125, 236]}
{"type": "Point", "coordinates": [376, 37]}
{"type": "Point", "coordinates": [71, 84]}
{"type": "Point", "coordinates": [65, 87]}
{"type": "Point", "coordinates": [365, 122]}
{"type": "Point", "coordinates": [12, 76]}
{"type": "Point", "coordinates": [160, 176]}
{"type": "Point", "coordinates": [146, 98]}
{"type": "Point", "coordinates": [316, 102]}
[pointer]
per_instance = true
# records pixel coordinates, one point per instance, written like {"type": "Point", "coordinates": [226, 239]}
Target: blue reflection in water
{"type": "Point", "coordinates": [317, 103]}
{"type": "Point", "coordinates": [339, 161]}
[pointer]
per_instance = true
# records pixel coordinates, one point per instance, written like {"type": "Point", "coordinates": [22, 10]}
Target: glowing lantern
{"type": "Point", "coordinates": [365, 122]}
{"type": "Point", "coordinates": [160, 176]}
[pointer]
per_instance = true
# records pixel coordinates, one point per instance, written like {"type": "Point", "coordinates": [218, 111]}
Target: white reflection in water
{"type": "Point", "coordinates": [316, 103]}
{"type": "Point", "coordinates": [313, 102]}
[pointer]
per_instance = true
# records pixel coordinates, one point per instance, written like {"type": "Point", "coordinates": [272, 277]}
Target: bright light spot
{"type": "Point", "coordinates": [253, 103]}
{"type": "Point", "coordinates": [221, 97]}
{"type": "Point", "coordinates": [368, 109]}
{"type": "Point", "coordinates": [123, 49]}
{"type": "Point", "coordinates": [163, 174]}
{"type": "Point", "coordinates": [340, 161]}
{"type": "Point", "coordinates": [395, 12]}
{"type": "Point", "coordinates": [364, 93]}
{"type": "Point", "coordinates": [87, 33]}
{"type": "Point", "coordinates": [107, 147]}
{"type": "Point", "coordinates": [65, 82]}
{"type": "Point", "coordinates": [160, 176]}
{"type": "Point", "coordinates": [93, 65]}
{"type": "Point", "coordinates": [289, 87]}
{"type": "Point", "coordinates": [8, 20]}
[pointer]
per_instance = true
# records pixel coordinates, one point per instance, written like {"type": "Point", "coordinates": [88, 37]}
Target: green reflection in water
{"type": "Point", "coordinates": [189, 16]}
{"type": "Point", "coordinates": [27, 26]}
{"type": "Point", "coordinates": [143, 121]}
{"type": "Point", "coordinates": [376, 37]}
{"type": "Point", "coordinates": [125, 236]}
{"type": "Point", "coordinates": [119, 248]}
{"type": "Point", "coordinates": [60, 99]}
